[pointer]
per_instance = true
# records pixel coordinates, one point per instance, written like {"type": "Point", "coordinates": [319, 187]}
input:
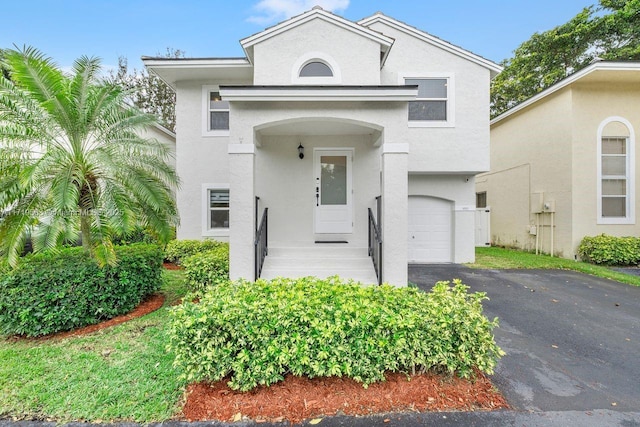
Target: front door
{"type": "Point", "coordinates": [333, 193]}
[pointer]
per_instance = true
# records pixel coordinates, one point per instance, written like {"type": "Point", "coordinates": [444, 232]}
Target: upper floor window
{"type": "Point", "coordinates": [616, 165]}
{"type": "Point", "coordinates": [434, 104]}
{"type": "Point", "coordinates": [316, 69]}
{"type": "Point", "coordinates": [215, 120]}
{"type": "Point", "coordinates": [218, 112]}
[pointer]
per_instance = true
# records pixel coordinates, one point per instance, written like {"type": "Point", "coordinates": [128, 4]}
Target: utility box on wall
{"type": "Point", "coordinates": [537, 202]}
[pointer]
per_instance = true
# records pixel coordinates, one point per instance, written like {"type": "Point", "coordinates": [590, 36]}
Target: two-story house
{"type": "Point", "coordinates": [334, 141]}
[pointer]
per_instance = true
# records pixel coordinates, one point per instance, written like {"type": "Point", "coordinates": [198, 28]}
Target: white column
{"type": "Point", "coordinates": [241, 211]}
{"type": "Point", "coordinates": [395, 205]}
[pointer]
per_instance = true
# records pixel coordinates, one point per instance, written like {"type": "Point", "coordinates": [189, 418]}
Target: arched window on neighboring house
{"type": "Point", "coordinates": [616, 172]}
{"type": "Point", "coordinates": [316, 69]}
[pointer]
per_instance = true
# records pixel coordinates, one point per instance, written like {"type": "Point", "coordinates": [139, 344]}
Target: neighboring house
{"type": "Point", "coordinates": [165, 136]}
{"type": "Point", "coordinates": [320, 118]}
{"type": "Point", "coordinates": [563, 163]}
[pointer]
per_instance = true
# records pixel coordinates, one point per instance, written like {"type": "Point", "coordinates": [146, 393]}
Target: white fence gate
{"type": "Point", "coordinates": [483, 226]}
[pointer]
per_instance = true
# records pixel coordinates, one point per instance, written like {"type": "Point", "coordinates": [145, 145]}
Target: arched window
{"type": "Point", "coordinates": [316, 69]}
{"type": "Point", "coordinates": [616, 172]}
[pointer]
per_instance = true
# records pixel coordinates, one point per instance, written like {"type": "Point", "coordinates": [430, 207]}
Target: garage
{"type": "Point", "coordinates": [430, 230]}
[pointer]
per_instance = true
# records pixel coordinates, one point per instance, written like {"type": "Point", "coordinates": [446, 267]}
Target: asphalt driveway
{"type": "Point", "coordinates": [572, 340]}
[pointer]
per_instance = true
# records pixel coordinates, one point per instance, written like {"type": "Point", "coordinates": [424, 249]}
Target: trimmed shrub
{"type": "Point", "coordinates": [208, 268]}
{"type": "Point", "coordinates": [58, 291]}
{"type": "Point", "coordinates": [177, 250]}
{"type": "Point", "coordinates": [610, 250]}
{"type": "Point", "coordinates": [255, 333]}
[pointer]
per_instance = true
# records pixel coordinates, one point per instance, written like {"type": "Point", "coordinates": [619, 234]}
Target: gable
{"type": "Point", "coordinates": [383, 23]}
{"type": "Point", "coordinates": [317, 13]}
{"type": "Point", "coordinates": [353, 58]}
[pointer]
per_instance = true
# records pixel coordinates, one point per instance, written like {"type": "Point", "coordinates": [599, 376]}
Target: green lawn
{"type": "Point", "coordinates": [120, 373]}
{"type": "Point", "coordinates": [500, 258]}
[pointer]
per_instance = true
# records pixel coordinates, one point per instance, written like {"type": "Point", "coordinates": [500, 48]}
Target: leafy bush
{"type": "Point", "coordinates": [208, 268]}
{"type": "Point", "coordinates": [177, 250]}
{"type": "Point", "coordinates": [255, 333]}
{"type": "Point", "coordinates": [51, 292]}
{"type": "Point", "coordinates": [610, 250]}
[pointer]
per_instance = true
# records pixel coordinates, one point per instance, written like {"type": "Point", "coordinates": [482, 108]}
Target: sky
{"type": "Point", "coordinates": [67, 29]}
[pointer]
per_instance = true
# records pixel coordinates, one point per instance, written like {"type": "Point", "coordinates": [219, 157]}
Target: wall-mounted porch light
{"type": "Point", "coordinates": [301, 151]}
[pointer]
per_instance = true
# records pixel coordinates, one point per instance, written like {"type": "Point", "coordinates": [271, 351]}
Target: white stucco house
{"type": "Point", "coordinates": [337, 129]}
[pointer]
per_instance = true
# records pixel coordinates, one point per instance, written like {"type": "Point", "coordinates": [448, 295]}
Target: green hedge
{"type": "Point", "coordinates": [177, 250]}
{"type": "Point", "coordinates": [208, 268]}
{"type": "Point", "coordinates": [610, 250]}
{"type": "Point", "coordinates": [255, 333]}
{"type": "Point", "coordinates": [52, 292]}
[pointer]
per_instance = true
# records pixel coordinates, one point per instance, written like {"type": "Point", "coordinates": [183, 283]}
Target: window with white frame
{"type": "Point", "coordinates": [616, 172]}
{"type": "Point", "coordinates": [434, 103]}
{"type": "Point", "coordinates": [215, 210]}
{"type": "Point", "coordinates": [316, 69]}
{"type": "Point", "coordinates": [218, 112]}
{"type": "Point", "coordinates": [615, 177]}
{"type": "Point", "coordinates": [215, 118]}
{"type": "Point", "coordinates": [431, 102]}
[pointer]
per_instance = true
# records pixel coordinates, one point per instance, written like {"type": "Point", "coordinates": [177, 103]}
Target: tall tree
{"type": "Point", "coordinates": [148, 92]}
{"type": "Point", "coordinates": [72, 161]}
{"type": "Point", "coordinates": [611, 32]}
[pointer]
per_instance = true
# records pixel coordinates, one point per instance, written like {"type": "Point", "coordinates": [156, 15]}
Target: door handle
{"type": "Point", "coordinates": [317, 196]}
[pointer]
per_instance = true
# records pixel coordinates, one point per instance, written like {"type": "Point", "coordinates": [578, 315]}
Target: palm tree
{"type": "Point", "coordinates": [72, 162]}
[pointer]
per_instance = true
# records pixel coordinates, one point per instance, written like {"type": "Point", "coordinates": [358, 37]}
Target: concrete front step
{"type": "Point", "coordinates": [346, 262]}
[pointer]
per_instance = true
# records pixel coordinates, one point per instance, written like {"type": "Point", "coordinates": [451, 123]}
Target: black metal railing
{"type": "Point", "coordinates": [375, 243]}
{"type": "Point", "coordinates": [261, 242]}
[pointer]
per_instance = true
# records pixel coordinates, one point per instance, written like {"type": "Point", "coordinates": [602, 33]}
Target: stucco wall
{"type": "Point", "coordinates": [465, 147]}
{"type": "Point", "coordinates": [357, 57]}
{"type": "Point", "coordinates": [593, 104]}
{"type": "Point", "coordinates": [198, 159]}
{"type": "Point", "coordinates": [531, 153]}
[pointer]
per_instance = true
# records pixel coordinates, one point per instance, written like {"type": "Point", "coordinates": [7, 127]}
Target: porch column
{"type": "Point", "coordinates": [241, 211]}
{"type": "Point", "coordinates": [395, 205]}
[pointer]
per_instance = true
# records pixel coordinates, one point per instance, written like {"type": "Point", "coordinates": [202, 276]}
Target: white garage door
{"type": "Point", "coordinates": [429, 229]}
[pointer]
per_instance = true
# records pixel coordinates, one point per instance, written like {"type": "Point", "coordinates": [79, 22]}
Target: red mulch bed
{"type": "Point", "coordinates": [171, 266]}
{"type": "Point", "coordinates": [297, 398]}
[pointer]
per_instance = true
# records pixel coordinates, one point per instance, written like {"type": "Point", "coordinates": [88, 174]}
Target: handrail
{"type": "Point", "coordinates": [261, 243]}
{"type": "Point", "coordinates": [375, 245]}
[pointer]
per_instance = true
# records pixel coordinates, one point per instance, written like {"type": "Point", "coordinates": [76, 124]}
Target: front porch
{"type": "Point", "coordinates": [322, 206]}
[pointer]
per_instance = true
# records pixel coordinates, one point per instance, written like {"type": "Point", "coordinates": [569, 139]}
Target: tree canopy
{"type": "Point", "coordinates": [148, 92]}
{"type": "Point", "coordinates": [610, 31]}
{"type": "Point", "coordinates": [73, 162]}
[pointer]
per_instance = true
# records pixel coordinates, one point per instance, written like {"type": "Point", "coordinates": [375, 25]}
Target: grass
{"type": "Point", "coordinates": [120, 373]}
{"type": "Point", "coordinates": [500, 258]}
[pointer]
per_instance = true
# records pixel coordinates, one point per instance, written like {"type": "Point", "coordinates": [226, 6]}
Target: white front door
{"type": "Point", "coordinates": [333, 193]}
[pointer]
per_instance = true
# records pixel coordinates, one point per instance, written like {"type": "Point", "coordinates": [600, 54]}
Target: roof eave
{"type": "Point", "coordinates": [493, 67]}
{"type": "Point", "coordinates": [567, 81]}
